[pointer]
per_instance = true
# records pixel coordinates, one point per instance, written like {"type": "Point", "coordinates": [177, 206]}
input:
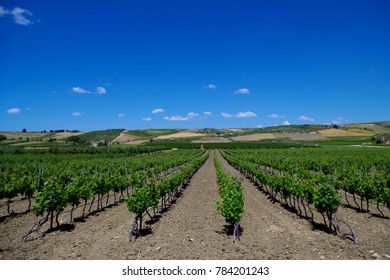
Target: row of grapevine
{"type": "Point", "coordinates": [25, 175]}
{"type": "Point", "coordinates": [148, 196]}
{"type": "Point", "coordinates": [329, 161]}
{"type": "Point", "coordinates": [371, 184]}
{"type": "Point", "coordinates": [55, 194]}
{"type": "Point", "coordinates": [294, 191]}
{"type": "Point", "coordinates": [230, 191]}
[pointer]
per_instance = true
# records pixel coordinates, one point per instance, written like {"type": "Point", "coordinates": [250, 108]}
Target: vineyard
{"type": "Point", "coordinates": [291, 203]}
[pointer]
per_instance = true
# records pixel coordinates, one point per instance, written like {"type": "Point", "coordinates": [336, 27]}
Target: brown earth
{"type": "Point", "coordinates": [192, 229]}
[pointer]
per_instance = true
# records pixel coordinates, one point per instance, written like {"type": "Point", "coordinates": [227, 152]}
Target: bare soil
{"type": "Point", "coordinates": [193, 229]}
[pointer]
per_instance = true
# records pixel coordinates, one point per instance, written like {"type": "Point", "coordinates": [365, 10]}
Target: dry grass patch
{"type": "Point", "coordinates": [65, 134]}
{"type": "Point", "coordinates": [181, 134]}
{"type": "Point", "coordinates": [211, 140]}
{"type": "Point", "coordinates": [300, 136]}
{"type": "Point", "coordinates": [255, 137]}
{"type": "Point", "coordinates": [24, 135]}
{"type": "Point", "coordinates": [333, 132]}
{"type": "Point", "coordinates": [125, 138]}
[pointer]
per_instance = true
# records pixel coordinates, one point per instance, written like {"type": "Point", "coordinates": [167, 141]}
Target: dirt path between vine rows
{"type": "Point", "coordinates": [193, 229]}
{"type": "Point", "coordinates": [97, 237]}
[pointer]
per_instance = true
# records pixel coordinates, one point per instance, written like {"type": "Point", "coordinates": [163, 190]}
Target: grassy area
{"type": "Point", "coordinates": [362, 134]}
{"type": "Point", "coordinates": [353, 140]}
{"type": "Point", "coordinates": [374, 128]}
{"type": "Point", "coordinates": [187, 144]}
{"type": "Point", "coordinates": [151, 133]}
{"type": "Point", "coordinates": [99, 135]}
{"type": "Point", "coordinates": [12, 136]}
{"type": "Point", "coordinates": [280, 129]}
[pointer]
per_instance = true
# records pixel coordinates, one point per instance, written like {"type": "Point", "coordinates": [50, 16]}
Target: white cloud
{"type": "Point", "coordinates": [20, 16]}
{"type": "Point", "coordinates": [101, 90]}
{"type": "Point", "coordinates": [148, 119]}
{"type": "Point", "coordinates": [286, 123]}
{"type": "Point", "coordinates": [178, 118]}
{"type": "Point", "coordinates": [339, 120]}
{"type": "Point", "coordinates": [77, 114]}
{"type": "Point", "coordinates": [80, 90]}
{"type": "Point", "coordinates": [210, 86]}
{"type": "Point", "coordinates": [207, 113]}
{"type": "Point", "coordinates": [275, 116]}
{"type": "Point", "coordinates": [159, 110]}
{"type": "Point", "coordinates": [192, 114]}
{"type": "Point", "coordinates": [259, 126]}
{"type": "Point", "coordinates": [246, 114]}
{"type": "Point", "coordinates": [189, 117]}
{"type": "Point", "coordinates": [304, 118]}
{"type": "Point", "coordinates": [242, 91]}
{"type": "Point", "coordinates": [121, 115]}
{"type": "Point", "coordinates": [13, 111]}
{"type": "Point", "coordinates": [226, 115]}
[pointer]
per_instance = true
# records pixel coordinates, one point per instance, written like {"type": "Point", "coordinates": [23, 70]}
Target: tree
{"type": "Point", "coordinates": [24, 130]}
{"type": "Point", "coordinates": [74, 139]}
{"type": "Point", "coordinates": [2, 138]}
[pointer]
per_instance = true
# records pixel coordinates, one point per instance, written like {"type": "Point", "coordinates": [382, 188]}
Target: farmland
{"type": "Point", "coordinates": [354, 134]}
{"type": "Point", "coordinates": [89, 204]}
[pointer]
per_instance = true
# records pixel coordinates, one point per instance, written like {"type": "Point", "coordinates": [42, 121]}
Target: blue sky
{"type": "Point", "coordinates": [139, 64]}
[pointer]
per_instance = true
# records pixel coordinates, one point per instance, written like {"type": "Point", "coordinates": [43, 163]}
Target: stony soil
{"type": "Point", "coordinates": [192, 229]}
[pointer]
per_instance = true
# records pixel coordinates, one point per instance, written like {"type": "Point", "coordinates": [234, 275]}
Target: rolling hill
{"type": "Point", "coordinates": [363, 133]}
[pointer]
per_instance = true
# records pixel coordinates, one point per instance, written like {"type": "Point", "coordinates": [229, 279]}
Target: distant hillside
{"type": "Point", "coordinates": [374, 128]}
{"type": "Point", "coordinates": [100, 135]}
{"type": "Point", "coordinates": [151, 133]}
{"type": "Point", "coordinates": [360, 133]}
{"type": "Point", "coordinates": [278, 129]}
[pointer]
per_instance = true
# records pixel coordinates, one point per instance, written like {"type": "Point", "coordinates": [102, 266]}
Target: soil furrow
{"type": "Point", "coordinates": [192, 228]}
